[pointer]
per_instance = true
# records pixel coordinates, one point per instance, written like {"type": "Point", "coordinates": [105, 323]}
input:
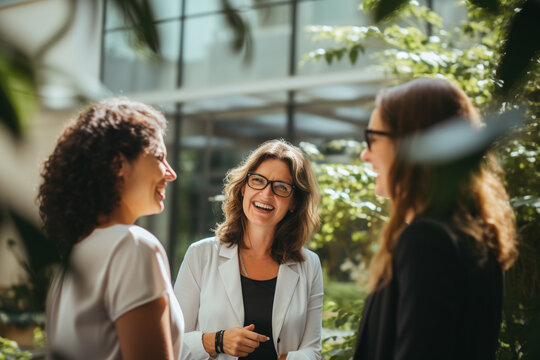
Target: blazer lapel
{"type": "Point", "coordinates": [230, 276]}
{"type": "Point", "coordinates": [285, 287]}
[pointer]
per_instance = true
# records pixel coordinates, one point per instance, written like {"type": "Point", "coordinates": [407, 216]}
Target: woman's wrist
{"type": "Point", "coordinates": [208, 341]}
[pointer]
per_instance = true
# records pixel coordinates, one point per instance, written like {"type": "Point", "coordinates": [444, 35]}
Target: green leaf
{"type": "Point", "coordinates": [242, 38]}
{"type": "Point", "coordinates": [353, 55]}
{"type": "Point", "coordinates": [140, 16]}
{"type": "Point", "coordinates": [17, 88]}
{"type": "Point", "coordinates": [328, 56]}
{"type": "Point", "coordinates": [8, 116]}
{"type": "Point", "coordinates": [387, 8]}
{"type": "Point", "coordinates": [490, 5]}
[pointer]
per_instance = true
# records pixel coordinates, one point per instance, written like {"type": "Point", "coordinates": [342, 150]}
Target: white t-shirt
{"type": "Point", "coordinates": [113, 271]}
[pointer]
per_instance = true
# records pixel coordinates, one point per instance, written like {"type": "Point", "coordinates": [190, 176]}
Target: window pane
{"type": "Point", "coordinates": [455, 13]}
{"type": "Point", "coordinates": [162, 10]}
{"type": "Point", "coordinates": [333, 112]}
{"type": "Point", "coordinates": [127, 71]}
{"type": "Point", "coordinates": [198, 6]}
{"type": "Point", "coordinates": [209, 59]}
{"type": "Point", "coordinates": [331, 13]}
{"type": "Point", "coordinates": [166, 9]}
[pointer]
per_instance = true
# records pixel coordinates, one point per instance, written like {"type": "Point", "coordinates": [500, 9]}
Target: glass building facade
{"type": "Point", "coordinates": [222, 103]}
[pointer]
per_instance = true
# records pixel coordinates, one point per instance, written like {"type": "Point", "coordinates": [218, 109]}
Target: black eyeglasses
{"type": "Point", "coordinates": [368, 133]}
{"type": "Point", "coordinates": [259, 182]}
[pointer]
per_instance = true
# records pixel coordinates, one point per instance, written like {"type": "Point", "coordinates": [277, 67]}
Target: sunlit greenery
{"type": "Point", "coordinates": [467, 54]}
{"type": "Point", "coordinates": [351, 213]}
{"type": "Point", "coordinates": [9, 350]}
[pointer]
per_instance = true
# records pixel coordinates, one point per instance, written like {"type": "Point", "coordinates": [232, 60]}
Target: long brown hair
{"type": "Point", "coordinates": [296, 228]}
{"type": "Point", "coordinates": [476, 203]}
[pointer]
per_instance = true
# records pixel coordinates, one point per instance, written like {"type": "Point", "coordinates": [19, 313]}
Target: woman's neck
{"type": "Point", "coordinates": [258, 241]}
{"type": "Point", "coordinates": [115, 218]}
{"type": "Point", "coordinates": [409, 216]}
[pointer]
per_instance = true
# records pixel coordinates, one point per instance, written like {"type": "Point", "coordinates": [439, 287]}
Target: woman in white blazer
{"type": "Point", "coordinates": [253, 291]}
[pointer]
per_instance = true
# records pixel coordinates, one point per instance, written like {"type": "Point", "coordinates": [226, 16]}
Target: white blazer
{"type": "Point", "coordinates": [209, 291]}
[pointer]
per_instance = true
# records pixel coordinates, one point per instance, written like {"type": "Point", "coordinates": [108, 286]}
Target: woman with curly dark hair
{"type": "Point", "coordinates": [114, 297]}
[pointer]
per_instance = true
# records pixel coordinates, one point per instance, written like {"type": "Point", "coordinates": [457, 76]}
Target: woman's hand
{"type": "Point", "coordinates": [283, 357]}
{"type": "Point", "coordinates": [242, 341]}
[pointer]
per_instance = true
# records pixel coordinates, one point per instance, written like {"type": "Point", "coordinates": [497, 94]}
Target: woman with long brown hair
{"type": "Point", "coordinates": [436, 280]}
{"type": "Point", "coordinates": [253, 291]}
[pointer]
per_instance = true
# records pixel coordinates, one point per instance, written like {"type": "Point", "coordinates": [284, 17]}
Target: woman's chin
{"type": "Point", "coordinates": [380, 192]}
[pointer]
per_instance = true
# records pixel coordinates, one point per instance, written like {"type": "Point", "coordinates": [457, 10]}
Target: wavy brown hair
{"type": "Point", "coordinates": [296, 228]}
{"type": "Point", "coordinates": [80, 181]}
{"type": "Point", "coordinates": [476, 200]}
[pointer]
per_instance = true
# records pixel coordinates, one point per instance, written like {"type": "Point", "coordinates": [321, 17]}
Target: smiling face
{"type": "Point", "coordinates": [381, 154]}
{"type": "Point", "coordinates": [142, 189]}
{"type": "Point", "coordinates": [262, 207]}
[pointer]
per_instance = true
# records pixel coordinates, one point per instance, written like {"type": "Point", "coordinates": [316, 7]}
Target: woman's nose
{"type": "Point", "coordinates": [364, 155]}
{"type": "Point", "coordinates": [170, 175]}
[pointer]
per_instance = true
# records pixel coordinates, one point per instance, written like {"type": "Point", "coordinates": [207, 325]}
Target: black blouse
{"type": "Point", "coordinates": [258, 302]}
{"type": "Point", "coordinates": [441, 303]}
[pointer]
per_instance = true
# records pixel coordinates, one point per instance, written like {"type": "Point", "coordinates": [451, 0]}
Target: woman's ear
{"type": "Point", "coordinates": [292, 206]}
{"type": "Point", "coordinates": [119, 164]}
{"type": "Point", "coordinates": [243, 190]}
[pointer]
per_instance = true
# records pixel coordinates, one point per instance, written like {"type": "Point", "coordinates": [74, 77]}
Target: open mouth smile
{"type": "Point", "coordinates": [263, 206]}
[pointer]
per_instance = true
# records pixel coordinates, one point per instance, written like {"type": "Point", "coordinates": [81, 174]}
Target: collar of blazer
{"type": "Point", "coordinates": [286, 283]}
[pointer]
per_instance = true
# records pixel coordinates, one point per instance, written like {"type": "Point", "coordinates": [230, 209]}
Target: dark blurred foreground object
{"type": "Point", "coordinates": [456, 139]}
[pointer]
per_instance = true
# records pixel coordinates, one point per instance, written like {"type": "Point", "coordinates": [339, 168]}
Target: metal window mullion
{"type": "Point", "coordinates": [175, 160]}
{"type": "Point", "coordinates": [291, 133]}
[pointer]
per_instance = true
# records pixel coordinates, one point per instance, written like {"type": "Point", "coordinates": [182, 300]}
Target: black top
{"type": "Point", "coordinates": [258, 302]}
{"type": "Point", "coordinates": [440, 304]}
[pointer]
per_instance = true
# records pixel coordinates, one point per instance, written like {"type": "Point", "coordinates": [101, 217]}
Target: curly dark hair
{"type": "Point", "coordinates": [79, 177]}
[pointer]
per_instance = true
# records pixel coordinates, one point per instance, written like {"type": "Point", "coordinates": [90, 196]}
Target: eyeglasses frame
{"type": "Point", "coordinates": [368, 132]}
{"type": "Point", "coordinates": [271, 183]}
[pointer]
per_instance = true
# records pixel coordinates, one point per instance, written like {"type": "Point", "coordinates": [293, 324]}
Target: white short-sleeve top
{"type": "Point", "coordinates": [113, 271]}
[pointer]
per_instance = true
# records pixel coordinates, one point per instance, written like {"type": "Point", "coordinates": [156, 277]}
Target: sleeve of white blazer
{"type": "Point", "coordinates": [310, 347]}
{"type": "Point", "coordinates": [187, 290]}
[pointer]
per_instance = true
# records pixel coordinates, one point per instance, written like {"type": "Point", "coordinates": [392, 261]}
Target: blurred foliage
{"type": "Point", "coordinates": [343, 303]}
{"type": "Point", "coordinates": [416, 44]}
{"type": "Point", "coordinates": [520, 20]}
{"type": "Point", "coordinates": [351, 214]}
{"type": "Point", "coordinates": [9, 350]}
{"type": "Point", "coordinates": [345, 316]}
{"type": "Point", "coordinates": [24, 303]}
{"type": "Point", "coordinates": [39, 337]}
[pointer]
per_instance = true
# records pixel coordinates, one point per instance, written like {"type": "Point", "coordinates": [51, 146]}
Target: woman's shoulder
{"type": "Point", "coordinates": [311, 257]}
{"type": "Point", "coordinates": [311, 263]}
{"type": "Point", "coordinates": [135, 234]}
{"type": "Point", "coordinates": [431, 226]}
{"type": "Point", "coordinates": [427, 235]}
{"type": "Point", "coordinates": [118, 235]}
{"type": "Point", "coordinates": [124, 241]}
{"type": "Point", "coordinates": [205, 245]}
